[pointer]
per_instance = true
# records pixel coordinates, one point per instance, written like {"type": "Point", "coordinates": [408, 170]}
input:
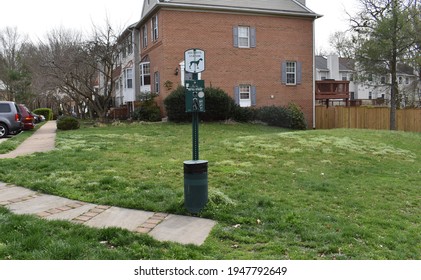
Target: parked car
{"type": "Point", "coordinates": [10, 118]}
{"type": "Point", "coordinates": [27, 117]}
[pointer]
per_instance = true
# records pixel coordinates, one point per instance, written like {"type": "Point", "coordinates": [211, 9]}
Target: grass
{"type": "Point", "coordinates": [12, 143]}
{"type": "Point", "coordinates": [276, 194]}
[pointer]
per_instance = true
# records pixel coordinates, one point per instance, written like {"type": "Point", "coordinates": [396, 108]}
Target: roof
{"type": "Point", "coordinates": [348, 64]}
{"type": "Point", "coordinates": [345, 64]}
{"type": "Point", "coordinates": [279, 7]}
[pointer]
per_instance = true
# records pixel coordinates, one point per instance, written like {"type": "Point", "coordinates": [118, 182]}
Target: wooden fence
{"type": "Point", "coordinates": [367, 118]}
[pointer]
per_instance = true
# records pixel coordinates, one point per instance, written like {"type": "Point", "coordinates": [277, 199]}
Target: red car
{"type": "Point", "coordinates": [27, 118]}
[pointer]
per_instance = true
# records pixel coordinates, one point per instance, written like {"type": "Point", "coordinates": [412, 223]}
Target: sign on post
{"type": "Point", "coordinates": [195, 96]}
{"type": "Point", "coordinates": [194, 60]}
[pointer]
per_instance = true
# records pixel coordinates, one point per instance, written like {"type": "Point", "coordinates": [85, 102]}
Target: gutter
{"type": "Point", "coordinates": [310, 13]}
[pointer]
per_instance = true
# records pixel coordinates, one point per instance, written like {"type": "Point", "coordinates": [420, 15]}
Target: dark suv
{"type": "Point", "coordinates": [10, 118]}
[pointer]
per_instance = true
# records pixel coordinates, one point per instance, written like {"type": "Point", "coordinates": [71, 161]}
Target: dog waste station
{"type": "Point", "coordinates": [195, 170]}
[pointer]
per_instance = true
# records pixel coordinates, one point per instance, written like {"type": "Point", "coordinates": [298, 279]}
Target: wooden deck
{"type": "Point", "coordinates": [330, 89]}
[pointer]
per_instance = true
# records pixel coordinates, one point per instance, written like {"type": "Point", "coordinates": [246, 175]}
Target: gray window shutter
{"type": "Point", "coordinates": [157, 83]}
{"type": "Point", "coordinates": [284, 72]}
{"type": "Point", "coordinates": [235, 36]}
{"type": "Point", "coordinates": [253, 96]}
{"type": "Point", "coordinates": [252, 37]}
{"type": "Point", "coordinates": [237, 95]}
{"type": "Point", "coordinates": [299, 73]}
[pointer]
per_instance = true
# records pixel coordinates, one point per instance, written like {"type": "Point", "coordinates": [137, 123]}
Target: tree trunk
{"type": "Point", "coordinates": [394, 90]}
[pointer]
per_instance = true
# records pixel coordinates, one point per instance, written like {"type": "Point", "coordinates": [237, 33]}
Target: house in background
{"type": "Point", "coordinates": [371, 89]}
{"type": "Point", "coordinates": [124, 74]}
{"type": "Point", "coordinates": [259, 52]}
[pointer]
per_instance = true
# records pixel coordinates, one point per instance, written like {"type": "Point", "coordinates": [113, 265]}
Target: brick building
{"type": "Point", "coordinates": [259, 52]}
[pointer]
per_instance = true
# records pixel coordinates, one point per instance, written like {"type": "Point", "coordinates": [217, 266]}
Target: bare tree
{"type": "Point", "coordinates": [81, 68]}
{"type": "Point", "coordinates": [342, 44]}
{"type": "Point", "coordinates": [13, 70]}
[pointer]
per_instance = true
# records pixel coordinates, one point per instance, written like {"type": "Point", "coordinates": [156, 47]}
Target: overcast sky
{"type": "Point", "coordinates": [36, 17]}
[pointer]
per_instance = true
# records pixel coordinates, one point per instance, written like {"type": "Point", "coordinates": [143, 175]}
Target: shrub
{"type": "Point", "coordinates": [219, 106]}
{"type": "Point", "coordinates": [274, 116]}
{"type": "Point", "coordinates": [67, 123]}
{"type": "Point", "coordinates": [175, 105]}
{"type": "Point", "coordinates": [243, 114]}
{"type": "Point", "coordinates": [46, 112]}
{"type": "Point", "coordinates": [297, 119]}
{"type": "Point", "coordinates": [148, 111]}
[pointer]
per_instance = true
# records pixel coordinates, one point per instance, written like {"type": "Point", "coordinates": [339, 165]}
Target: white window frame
{"type": "Point", "coordinates": [128, 76]}
{"type": "Point", "coordinates": [145, 36]}
{"type": "Point", "coordinates": [243, 35]}
{"type": "Point", "coordinates": [154, 27]}
{"type": "Point", "coordinates": [245, 95]}
{"type": "Point", "coordinates": [291, 72]}
{"type": "Point", "coordinates": [145, 70]}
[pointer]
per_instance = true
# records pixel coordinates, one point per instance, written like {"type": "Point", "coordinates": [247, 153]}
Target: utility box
{"type": "Point", "coordinates": [195, 96]}
{"type": "Point", "coordinates": [195, 185]}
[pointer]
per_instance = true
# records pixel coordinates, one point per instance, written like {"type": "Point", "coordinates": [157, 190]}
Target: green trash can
{"type": "Point", "coordinates": [195, 185]}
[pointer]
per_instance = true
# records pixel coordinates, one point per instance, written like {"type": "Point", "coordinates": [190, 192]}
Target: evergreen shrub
{"type": "Point", "coordinates": [67, 123]}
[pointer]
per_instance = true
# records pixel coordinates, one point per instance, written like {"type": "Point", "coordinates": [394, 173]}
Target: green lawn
{"type": "Point", "coordinates": [276, 194]}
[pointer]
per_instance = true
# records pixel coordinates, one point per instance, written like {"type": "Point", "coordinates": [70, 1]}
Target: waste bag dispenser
{"type": "Point", "coordinates": [195, 185]}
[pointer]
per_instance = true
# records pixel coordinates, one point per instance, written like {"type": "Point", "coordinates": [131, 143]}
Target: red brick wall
{"type": "Point", "coordinates": [278, 39]}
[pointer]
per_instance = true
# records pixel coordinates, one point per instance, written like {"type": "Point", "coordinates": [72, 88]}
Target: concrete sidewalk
{"type": "Point", "coordinates": [43, 140]}
{"type": "Point", "coordinates": [161, 226]}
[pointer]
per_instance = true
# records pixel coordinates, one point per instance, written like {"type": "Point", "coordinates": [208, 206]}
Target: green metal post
{"type": "Point", "coordinates": [195, 133]}
{"type": "Point", "coordinates": [195, 127]}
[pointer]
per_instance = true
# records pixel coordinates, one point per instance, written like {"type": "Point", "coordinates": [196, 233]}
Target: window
{"type": "Point", "coordinates": [145, 36]}
{"type": "Point", "coordinates": [129, 43]}
{"type": "Point", "coordinates": [128, 78]}
{"type": "Point", "coordinates": [344, 77]}
{"type": "Point", "coordinates": [400, 80]}
{"type": "Point", "coordinates": [407, 80]}
{"type": "Point", "coordinates": [383, 80]}
{"type": "Point", "coordinates": [245, 92]}
{"type": "Point", "coordinates": [245, 95]}
{"type": "Point", "coordinates": [145, 74]}
{"type": "Point", "coordinates": [244, 37]}
{"type": "Point", "coordinates": [5, 108]}
{"type": "Point", "coordinates": [370, 95]}
{"type": "Point", "coordinates": [291, 73]}
{"type": "Point", "coordinates": [156, 80]}
{"type": "Point", "coordinates": [155, 28]}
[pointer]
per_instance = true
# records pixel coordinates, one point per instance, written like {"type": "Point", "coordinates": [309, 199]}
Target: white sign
{"type": "Point", "coordinates": [194, 61]}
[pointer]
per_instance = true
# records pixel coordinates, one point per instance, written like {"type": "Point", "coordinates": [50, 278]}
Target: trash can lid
{"type": "Point", "coordinates": [195, 166]}
{"type": "Point", "coordinates": [194, 162]}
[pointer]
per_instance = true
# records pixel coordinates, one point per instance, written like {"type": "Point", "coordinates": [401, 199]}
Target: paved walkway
{"type": "Point", "coordinates": [161, 226]}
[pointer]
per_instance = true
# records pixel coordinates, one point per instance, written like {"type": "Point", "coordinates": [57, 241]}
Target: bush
{"type": "Point", "coordinates": [274, 116]}
{"type": "Point", "coordinates": [243, 114]}
{"type": "Point", "coordinates": [67, 123]}
{"type": "Point", "coordinates": [287, 117]}
{"type": "Point", "coordinates": [46, 112]}
{"type": "Point", "coordinates": [297, 119]}
{"type": "Point", "coordinates": [175, 105]}
{"type": "Point", "coordinates": [218, 105]}
{"type": "Point", "coordinates": [148, 111]}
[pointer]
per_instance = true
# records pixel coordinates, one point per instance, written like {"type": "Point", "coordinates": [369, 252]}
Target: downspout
{"type": "Point", "coordinates": [314, 74]}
